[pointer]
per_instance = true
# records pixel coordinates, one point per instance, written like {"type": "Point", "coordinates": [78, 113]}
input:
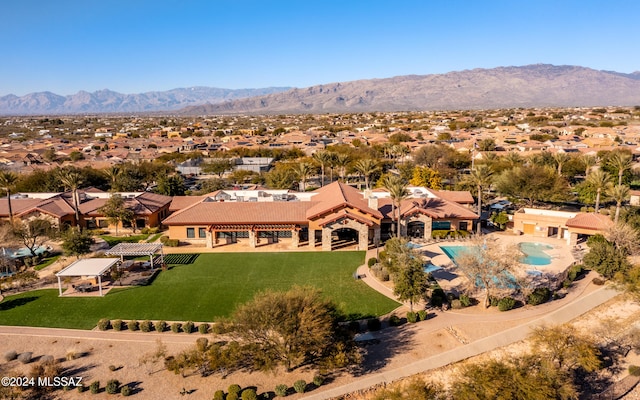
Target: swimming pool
{"type": "Point", "coordinates": [534, 253]}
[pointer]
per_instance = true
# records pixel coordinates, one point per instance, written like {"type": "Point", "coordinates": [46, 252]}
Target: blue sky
{"type": "Point", "coordinates": [134, 46]}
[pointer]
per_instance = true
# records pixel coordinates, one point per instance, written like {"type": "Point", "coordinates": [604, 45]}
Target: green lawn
{"type": "Point", "coordinates": [208, 286]}
{"type": "Point", "coordinates": [114, 240]}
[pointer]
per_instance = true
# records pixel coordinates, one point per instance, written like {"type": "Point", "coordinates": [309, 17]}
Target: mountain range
{"type": "Point", "coordinates": [539, 85]}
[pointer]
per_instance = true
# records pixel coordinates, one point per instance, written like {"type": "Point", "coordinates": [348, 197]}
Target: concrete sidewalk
{"type": "Point", "coordinates": [562, 315]}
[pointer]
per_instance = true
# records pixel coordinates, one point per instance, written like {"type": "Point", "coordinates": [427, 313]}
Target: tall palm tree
{"type": "Point", "coordinates": [397, 191]}
{"type": "Point", "coordinates": [589, 162]}
{"type": "Point", "coordinates": [621, 162]}
{"type": "Point", "coordinates": [302, 171]}
{"type": "Point", "coordinates": [619, 193]}
{"type": "Point", "coordinates": [323, 159]}
{"type": "Point", "coordinates": [513, 159]}
{"type": "Point", "coordinates": [72, 179]}
{"type": "Point", "coordinates": [481, 177]}
{"type": "Point", "coordinates": [366, 167]}
{"type": "Point", "coordinates": [342, 161]}
{"type": "Point", "coordinates": [601, 182]}
{"type": "Point", "coordinates": [7, 180]}
{"type": "Point", "coordinates": [561, 159]}
{"type": "Point", "coordinates": [113, 174]}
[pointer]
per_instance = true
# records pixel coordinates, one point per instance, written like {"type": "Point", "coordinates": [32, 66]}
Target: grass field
{"type": "Point", "coordinates": [204, 287]}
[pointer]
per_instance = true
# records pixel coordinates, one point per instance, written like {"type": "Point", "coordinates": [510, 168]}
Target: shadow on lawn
{"type": "Point", "coordinates": [180, 259]}
{"type": "Point", "coordinates": [388, 343]}
{"type": "Point", "coordinates": [13, 303]}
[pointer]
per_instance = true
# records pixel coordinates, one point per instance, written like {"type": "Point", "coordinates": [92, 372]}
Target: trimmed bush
{"type": "Point", "coordinates": [218, 395]}
{"type": "Point", "coordinates": [538, 296]}
{"type": "Point", "coordinates": [494, 301]}
{"type": "Point", "coordinates": [176, 327]}
{"type": "Point", "coordinates": [371, 262]}
{"type": "Point", "coordinates": [634, 370]}
{"type": "Point", "coordinates": [235, 389]}
{"type": "Point", "coordinates": [412, 317]}
{"type": "Point", "coordinates": [203, 329]}
{"type": "Point", "coordinates": [394, 320]}
{"type": "Point", "coordinates": [146, 326]}
{"type": "Point", "coordinates": [438, 297]}
{"type": "Point", "coordinates": [25, 357]}
{"type": "Point", "coordinates": [232, 396]}
{"type": "Point", "coordinates": [575, 271]}
{"type": "Point", "coordinates": [465, 300]}
{"type": "Point", "coordinates": [249, 394]}
{"type": "Point", "coordinates": [456, 304]}
{"type": "Point", "coordinates": [422, 315]}
{"type": "Point", "coordinates": [104, 324]}
{"type": "Point", "coordinates": [160, 326]}
{"type": "Point", "coordinates": [598, 281]}
{"type": "Point", "coordinates": [10, 355]}
{"type": "Point", "coordinates": [125, 391]}
{"type": "Point", "coordinates": [506, 304]}
{"type": "Point", "coordinates": [47, 360]}
{"type": "Point", "coordinates": [133, 325]}
{"type": "Point", "coordinates": [81, 387]}
{"type": "Point", "coordinates": [374, 324]}
{"type": "Point", "coordinates": [202, 344]}
{"type": "Point", "coordinates": [112, 368]}
{"type": "Point", "coordinates": [354, 326]}
{"type": "Point", "coordinates": [116, 324]}
{"type": "Point", "coordinates": [281, 390]}
{"type": "Point", "coordinates": [318, 380]}
{"type": "Point", "coordinates": [188, 327]}
{"type": "Point", "coordinates": [112, 386]}
{"type": "Point", "coordinates": [94, 388]}
{"type": "Point", "coordinates": [300, 386]}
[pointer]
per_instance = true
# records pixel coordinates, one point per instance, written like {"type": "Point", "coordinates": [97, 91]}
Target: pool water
{"type": "Point", "coordinates": [534, 253]}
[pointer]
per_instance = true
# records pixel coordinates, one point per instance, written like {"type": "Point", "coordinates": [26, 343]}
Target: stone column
{"type": "Point", "coordinates": [209, 239]}
{"type": "Point", "coordinates": [312, 239]}
{"type": "Point", "coordinates": [427, 228]}
{"type": "Point", "coordinates": [573, 239]}
{"type": "Point", "coordinates": [252, 239]}
{"type": "Point", "coordinates": [295, 238]}
{"type": "Point", "coordinates": [363, 237]}
{"type": "Point", "coordinates": [326, 239]}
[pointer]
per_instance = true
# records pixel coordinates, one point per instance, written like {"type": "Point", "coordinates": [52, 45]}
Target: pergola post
{"type": "Point", "coordinates": [100, 284]}
{"type": "Point", "coordinates": [59, 287]}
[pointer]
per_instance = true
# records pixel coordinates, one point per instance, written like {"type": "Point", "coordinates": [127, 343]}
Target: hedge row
{"type": "Point", "coordinates": [148, 326]}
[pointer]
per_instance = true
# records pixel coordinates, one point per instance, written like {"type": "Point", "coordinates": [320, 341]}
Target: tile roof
{"type": "Point", "coordinates": [180, 202]}
{"type": "Point", "coordinates": [206, 213]}
{"type": "Point", "coordinates": [460, 197]}
{"type": "Point", "coordinates": [592, 221]}
{"type": "Point", "coordinates": [337, 195]}
{"type": "Point", "coordinates": [436, 208]}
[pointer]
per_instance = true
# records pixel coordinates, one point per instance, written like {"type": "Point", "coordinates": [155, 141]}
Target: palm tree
{"type": "Point", "coordinates": [342, 161]}
{"type": "Point", "coordinates": [513, 159]}
{"type": "Point", "coordinates": [366, 167]}
{"type": "Point", "coordinates": [561, 159]}
{"type": "Point", "coordinates": [302, 171]}
{"type": "Point", "coordinates": [589, 162]}
{"type": "Point", "coordinates": [72, 179]}
{"type": "Point", "coordinates": [397, 191]}
{"type": "Point", "coordinates": [481, 177]}
{"type": "Point", "coordinates": [7, 180]}
{"type": "Point", "coordinates": [323, 159]}
{"type": "Point", "coordinates": [113, 174]}
{"type": "Point", "coordinates": [621, 162]}
{"type": "Point", "coordinates": [601, 182]}
{"type": "Point", "coordinates": [619, 193]}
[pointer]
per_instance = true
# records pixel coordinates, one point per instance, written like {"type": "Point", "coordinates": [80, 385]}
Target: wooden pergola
{"type": "Point", "coordinates": [137, 250]}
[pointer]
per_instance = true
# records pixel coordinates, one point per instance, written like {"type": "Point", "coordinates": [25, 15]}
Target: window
{"type": "Point", "coordinates": [202, 232]}
{"type": "Point", "coordinates": [191, 233]}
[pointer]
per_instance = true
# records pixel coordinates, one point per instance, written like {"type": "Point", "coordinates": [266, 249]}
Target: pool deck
{"type": "Point", "coordinates": [561, 257]}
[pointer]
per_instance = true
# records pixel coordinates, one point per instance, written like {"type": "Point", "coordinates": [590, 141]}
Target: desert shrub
{"type": "Point", "coordinates": [112, 368]}
{"type": "Point", "coordinates": [112, 386]}
{"type": "Point", "coordinates": [634, 370]}
{"type": "Point", "coordinates": [221, 327]}
{"type": "Point", "coordinates": [203, 328]}
{"type": "Point", "coordinates": [506, 303]}
{"type": "Point", "coordinates": [25, 357]}
{"type": "Point", "coordinates": [439, 234]}
{"type": "Point", "coordinates": [116, 324]}
{"type": "Point", "coordinates": [249, 394]}
{"type": "Point", "coordinates": [125, 391]}
{"type": "Point", "coordinates": [456, 304]}
{"type": "Point", "coordinates": [394, 320]}
{"type": "Point", "coordinates": [374, 324]}
{"type": "Point", "coordinates": [232, 396]}
{"type": "Point", "coordinates": [81, 387]}
{"type": "Point", "coordinates": [10, 355]}
{"type": "Point", "coordinates": [176, 327]}
{"type": "Point", "coordinates": [94, 388]}
{"type": "Point", "coordinates": [104, 324]}
{"type": "Point", "coordinates": [598, 281]}
{"type": "Point", "coordinates": [422, 315]}
{"type": "Point", "coordinates": [218, 395]}
{"type": "Point", "coordinates": [187, 327]}
{"type": "Point", "coordinates": [438, 297]}
{"type": "Point", "coordinates": [493, 301]}
{"type": "Point", "coordinates": [372, 261]}
{"type": "Point", "coordinates": [133, 325]}
{"type": "Point", "coordinates": [538, 296]}
{"type": "Point", "coordinates": [575, 272]}
{"type": "Point", "coordinates": [145, 326]}
{"type": "Point", "coordinates": [465, 300]}
{"type": "Point", "coordinates": [47, 360]}
{"type": "Point", "coordinates": [71, 355]}
{"type": "Point", "coordinates": [300, 386]}
{"type": "Point", "coordinates": [235, 389]}
{"type": "Point", "coordinates": [318, 380]}
{"type": "Point", "coordinates": [202, 344]}
{"type": "Point", "coordinates": [160, 326]}
{"type": "Point", "coordinates": [281, 390]}
{"type": "Point", "coordinates": [412, 317]}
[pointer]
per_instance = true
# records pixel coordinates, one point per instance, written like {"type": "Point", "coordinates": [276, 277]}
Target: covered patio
{"type": "Point", "coordinates": [151, 250]}
{"type": "Point", "coordinates": [89, 267]}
